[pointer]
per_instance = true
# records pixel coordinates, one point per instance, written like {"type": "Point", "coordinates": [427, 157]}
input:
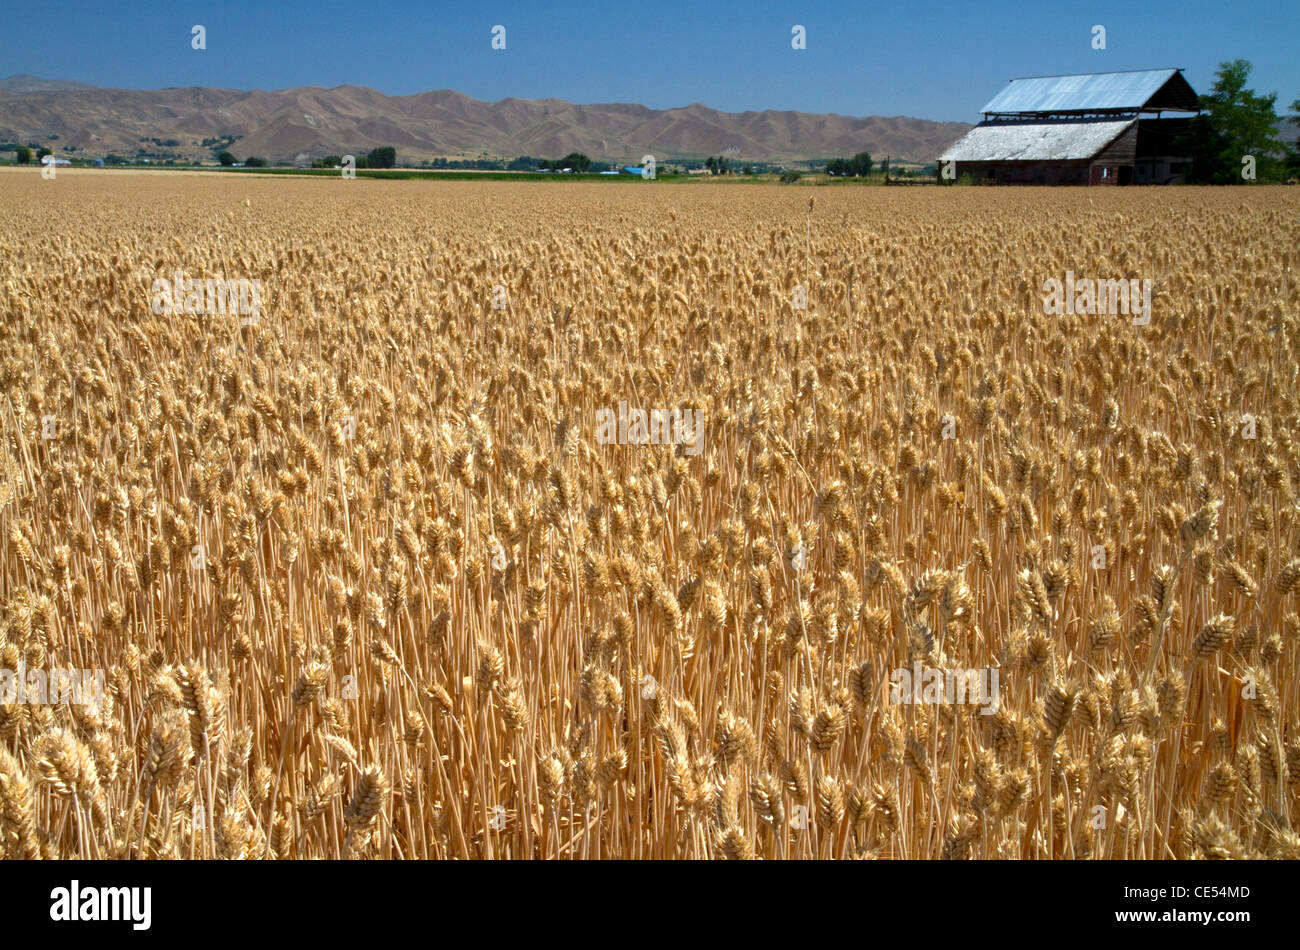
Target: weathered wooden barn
{"type": "Point", "coordinates": [1089, 129]}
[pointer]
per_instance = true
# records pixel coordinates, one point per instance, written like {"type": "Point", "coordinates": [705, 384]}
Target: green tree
{"type": "Point", "coordinates": [383, 157]}
{"type": "Point", "coordinates": [790, 176]}
{"type": "Point", "coordinates": [577, 161]}
{"type": "Point", "coordinates": [42, 152]}
{"type": "Point", "coordinates": [1235, 123]}
{"type": "Point", "coordinates": [1293, 157]}
{"type": "Point", "coordinates": [709, 164]}
{"type": "Point", "coordinates": [254, 162]}
{"type": "Point", "coordinates": [24, 155]}
{"type": "Point", "coordinates": [225, 158]}
{"type": "Point", "coordinates": [858, 166]}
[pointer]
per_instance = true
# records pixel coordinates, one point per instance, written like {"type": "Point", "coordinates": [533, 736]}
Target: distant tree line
{"type": "Point", "coordinates": [574, 160]}
{"type": "Point", "coordinates": [859, 166]}
{"type": "Point", "coordinates": [383, 157]}
{"type": "Point", "coordinates": [227, 159]}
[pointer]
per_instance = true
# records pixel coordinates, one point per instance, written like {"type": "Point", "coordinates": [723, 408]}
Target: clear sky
{"type": "Point", "coordinates": [932, 59]}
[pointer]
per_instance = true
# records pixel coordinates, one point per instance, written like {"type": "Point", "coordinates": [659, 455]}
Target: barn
{"type": "Point", "coordinates": [1088, 129]}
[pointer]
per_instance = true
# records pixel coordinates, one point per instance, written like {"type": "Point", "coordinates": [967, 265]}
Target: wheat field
{"type": "Point", "coordinates": [362, 581]}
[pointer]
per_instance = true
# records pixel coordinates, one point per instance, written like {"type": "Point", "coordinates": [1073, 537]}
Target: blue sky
{"type": "Point", "coordinates": [932, 59]}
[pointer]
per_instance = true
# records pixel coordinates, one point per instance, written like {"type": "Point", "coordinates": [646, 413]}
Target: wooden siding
{"type": "Point", "coordinates": [1122, 151]}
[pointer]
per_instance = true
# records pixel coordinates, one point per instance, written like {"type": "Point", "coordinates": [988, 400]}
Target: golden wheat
{"type": "Point", "coordinates": [362, 580]}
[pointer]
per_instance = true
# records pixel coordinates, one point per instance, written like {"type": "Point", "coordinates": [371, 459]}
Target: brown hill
{"type": "Point", "coordinates": [305, 123]}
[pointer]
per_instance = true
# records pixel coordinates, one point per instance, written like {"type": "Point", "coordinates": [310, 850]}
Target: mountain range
{"type": "Point", "coordinates": [297, 125]}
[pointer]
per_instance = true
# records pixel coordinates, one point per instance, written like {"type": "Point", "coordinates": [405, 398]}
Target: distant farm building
{"type": "Point", "coordinates": [1090, 129]}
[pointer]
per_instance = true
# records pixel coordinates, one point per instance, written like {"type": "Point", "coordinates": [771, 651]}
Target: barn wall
{"type": "Point", "coordinates": [1104, 174]}
{"type": "Point", "coordinates": [1122, 151]}
{"type": "Point", "coordinates": [1026, 173]}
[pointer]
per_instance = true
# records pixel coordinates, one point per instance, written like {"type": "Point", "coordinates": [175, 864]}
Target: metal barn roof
{"type": "Point", "coordinates": [1096, 92]}
{"type": "Point", "coordinates": [1034, 141]}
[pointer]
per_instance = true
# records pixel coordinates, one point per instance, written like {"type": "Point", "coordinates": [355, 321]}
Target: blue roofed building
{"type": "Point", "coordinates": [1088, 129]}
